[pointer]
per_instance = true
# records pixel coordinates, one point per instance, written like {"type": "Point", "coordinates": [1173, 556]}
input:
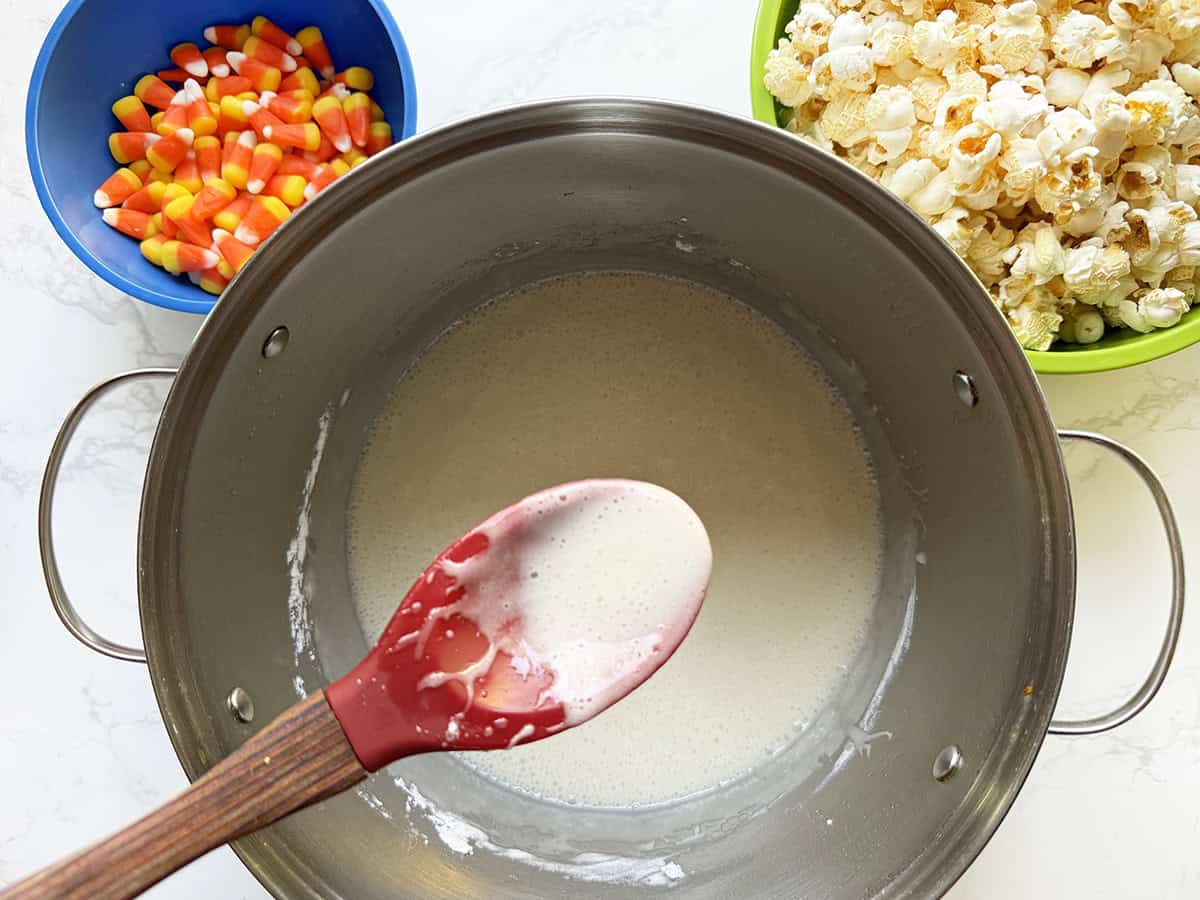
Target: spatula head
{"type": "Point", "coordinates": [534, 622]}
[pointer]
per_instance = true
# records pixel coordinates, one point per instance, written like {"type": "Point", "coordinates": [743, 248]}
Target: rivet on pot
{"type": "Point", "coordinates": [240, 705]}
{"type": "Point", "coordinates": [964, 387]}
{"type": "Point", "coordinates": [948, 762]}
{"type": "Point", "coordinates": [276, 342]}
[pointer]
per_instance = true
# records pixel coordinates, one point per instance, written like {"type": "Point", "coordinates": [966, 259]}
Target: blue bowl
{"type": "Point", "coordinates": [94, 54]}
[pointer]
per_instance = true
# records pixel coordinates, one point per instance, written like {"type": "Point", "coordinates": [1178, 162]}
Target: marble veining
{"type": "Point", "coordinates": [82, 749]}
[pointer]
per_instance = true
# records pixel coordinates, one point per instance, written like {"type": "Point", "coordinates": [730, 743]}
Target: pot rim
{"type": "Point", "coordinates": [178, 692]}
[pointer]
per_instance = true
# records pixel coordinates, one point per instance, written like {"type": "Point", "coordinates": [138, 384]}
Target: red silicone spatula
{"type": "Point", "coordinates": [542, 617]}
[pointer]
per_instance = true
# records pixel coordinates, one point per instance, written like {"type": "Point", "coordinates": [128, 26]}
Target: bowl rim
{"type": "Point", "coordinates": [158, 298]}
{"type": "Point", "coordinates": [1132, 352]}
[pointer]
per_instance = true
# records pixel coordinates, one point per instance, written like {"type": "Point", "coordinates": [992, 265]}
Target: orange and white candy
{"type": "Point", "coordinates": [264, 28]}
{"type": "Point", "coordinates": [315, 51]}
{"type": "Point", "coordinates": [231, 216]}
{"type": "Point", "coordinates": [357, 108]}
{"type": "Point", "coordinates": [239, 152]}
{"type": "Point", "coordinates": [169, 152]}
{"type": "Point", "coordinates": [179, 256]}
{"type": "Point", "coordinates": [260, 124]}
{"type": "Point", "coordinates": [213, 197]}
{"type": "Point", "coordinates": [332, 119]}
{"type": "Point", "coordinates": [218, 65]}
{"type": "Point", "coordinates": [131, 112]}
{"type": "Point", "coordinates": [191, 228]}
{"type": "Point", "coordinates": [264, 51]}
{"type": "Point", "coordinates": [234, 251]}
{"type": "Point", "coordinates": [230, 37]}
{"type": "Point", "coordinates": [208, 157]}
{"type": "Point", "coordinates": [262, 218]}
{"type": "Point", "coordinates": [187, 173]}
{"type": "Point", "coordinates": [153, 91]}
{"type": "Point", "coordinates": [147, 199]}
{"type": "Point", "coordinates": [129, 146]}
{"type": "Point", "coordinates": [189, 58]}
{"type": "Point", "coordinates": [117, 188]}
{"type": "Point", "coordinates": [136, 224]}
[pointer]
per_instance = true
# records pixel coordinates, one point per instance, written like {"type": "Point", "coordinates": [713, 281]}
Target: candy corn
{"type": "Point", "coordinates": [292, 107]}
{"type": "Point", "coordinates": [127, 146]}
{"type": "Point", "coordinates": [238, 154]}
{"type": "Point", "coordinates": [231, 249]}
{"type": "Point", "coordinates": [229, 86]}
{"type": "Point", "coordinates": [356, 78]}
{"type": "Point", "coordinates": [117, 188]}
{"type": "Point", "coordinates": [332, 120]}
{"type": "Point", "coordinates": [189, 58]}
{"type": "Point", "coordinates": [267, 30]}
{"type": "Point", "coordinates": [260, 117]}
{"type": "Point", "coordinates": [313, 44]}
{"type": "Point", "coordinates": [260, 221]}
{"type": "Point", "coordinates": [231, 37]}
{"type": "Point", "coordinates": [191, 228]}
{"type": "Point", "coordinates": [325, 151]}
{"type": "Point", "coordinates": [200, 117]}
{"type": "Point", "coordinates": [256, 48]}
{"type": "Point", "coordinates": [324, 176]}
{"type": "Point", "coordinates": [213, 281]}
{"type": "Point", "coordinates": [131, 113]}
{"type": "Point", "coordinates": [213, 197]}
{"type": "Point", "coordinates": [218, 65]}
{"type": "Point", "coordinates": [174, 117]}
{"type": "Point", "coordinates": [303, 79]}
{"type": "Point", "coordinates": [379, 137]}
{"type": "Point", "coordinates": [153, 91]}
{"type": "Point", "coordinates": [179, 76]}
{"type": "Point", "coordinates": [187, 173]}
{"type": "Point", "coordinates": [222, 144]}
{"type": "Point", "coordinates": [231, 216]}
{"type": "Point", "coordinates": [298, 165]}
{"type": "Point", "coordinates": [172, 193]}
{"type": "Point", "coordinates": [136, 224]}
{"type": "Point", "coordinates": [300, 137]}
{"type": "Point", "coordinates": [340, 91]}
{"type": "Point", "coordinates": [178, 256]}
{"type": "Point", "coordinates": [152, 248]}
{"type": "Point", "coordinates": [147, 199]}
{"type": "Point", "coordinates": [208, 157]}
{"type": "Point", "coordinates": [262, 76]}
{"type": "Point", "coordinates": [288, 188]}
{"type": "Point", "coordinates": [357, 108]}
{"type": "Point", "coordinates": [169, 152]}
{"type": "Point", "coordinates": [263, 165]}
{"type": "Point", "coordinates": [353, 158]}
{"type": "Point", "coordinates": [232, 116]}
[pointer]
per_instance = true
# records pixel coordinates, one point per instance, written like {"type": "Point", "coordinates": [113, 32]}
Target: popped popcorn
{"type": "Point", "coordinates": [1153, 308]}
{"type": "Point", "coordinates": [1054, 146]}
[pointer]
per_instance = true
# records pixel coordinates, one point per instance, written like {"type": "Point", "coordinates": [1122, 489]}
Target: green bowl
{"type": "Point", "coordinates": [1114, 351]}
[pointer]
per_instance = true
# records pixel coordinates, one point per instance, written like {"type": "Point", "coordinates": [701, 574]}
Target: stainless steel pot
{"type": "Point", "coordinates": [263, 425]}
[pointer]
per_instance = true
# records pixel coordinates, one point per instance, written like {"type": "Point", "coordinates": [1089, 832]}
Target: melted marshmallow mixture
{"type": "Point", "coordinates": [631, 375]}
{"type": "Point", "coordinates": [595, 582]}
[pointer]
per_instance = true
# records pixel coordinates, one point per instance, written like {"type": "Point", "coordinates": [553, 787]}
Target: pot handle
{"type": "Point", "coordinates": [1158, 673]}
{"type": "Point", "coordinates": [58, 595]}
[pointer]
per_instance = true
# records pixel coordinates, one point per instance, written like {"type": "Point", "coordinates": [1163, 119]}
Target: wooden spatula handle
{"type": "Point", "coordinates": [301, 757]}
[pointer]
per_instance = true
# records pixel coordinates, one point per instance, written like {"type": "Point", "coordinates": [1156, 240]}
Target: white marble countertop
{"type": "Point", "coordinates": [82, 749]}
